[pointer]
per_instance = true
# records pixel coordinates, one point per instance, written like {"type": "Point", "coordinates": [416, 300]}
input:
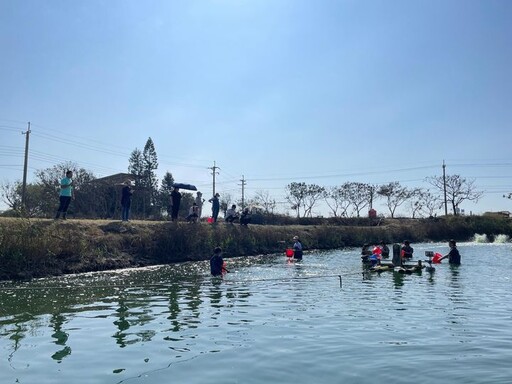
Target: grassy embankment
{"type": "Point", "coordinates": [36, 248]}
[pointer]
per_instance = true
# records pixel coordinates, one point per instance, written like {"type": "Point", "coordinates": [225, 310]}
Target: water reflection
{"type": "Point", "coordinates": [61, 337]}
{"type": "Point", "coordinates": [121, 323]}
{"type": "Point", "coordinates": [156, 318]}
{"type": "Point", "coordinates": [398, 279]}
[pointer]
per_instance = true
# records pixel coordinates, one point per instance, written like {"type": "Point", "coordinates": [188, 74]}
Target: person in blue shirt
{"type": "Point", "coordinates": [66, 191]}
{"type": "Point", "coordinates": [453, 256]}
{"type": "Point", "coordinates": [216, 262]}
{"type": "Point", "coordinates": [297, 248]}
{"type": "Point", "coordinates": [215, 207]}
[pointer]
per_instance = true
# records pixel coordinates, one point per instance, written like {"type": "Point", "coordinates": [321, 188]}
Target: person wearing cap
{"type": "Point", "coordinates": [453, 256]}
{"type": "Point", "coordinates": [215, 207]}
{"type": "Point", "coordinates": [297, 248]}
{"type": "Point", "coordinates": [126, 200]}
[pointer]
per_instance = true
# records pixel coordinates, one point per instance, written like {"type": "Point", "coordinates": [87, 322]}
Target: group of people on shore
{"type": "Point", "coordinates": [194, 213]}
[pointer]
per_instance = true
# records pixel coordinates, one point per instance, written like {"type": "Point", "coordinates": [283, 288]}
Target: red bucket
{"type": "Point", "coordinates": [210, 220]}
{"type": "Point", "coordinates": [289, 252]}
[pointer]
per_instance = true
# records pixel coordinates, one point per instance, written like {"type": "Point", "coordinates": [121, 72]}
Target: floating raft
{"type": "Point", "coordinates": [407, 269]}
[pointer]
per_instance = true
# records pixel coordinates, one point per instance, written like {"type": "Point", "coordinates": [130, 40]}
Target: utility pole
{"type": "Point", "coordinates": [444, 187]}
{"type": "Point", "coordinates": [214, 172]}
{"type": "Point", "coordinates": [25, 167]}
{"type": "Point", "coordinates": [243, 187]}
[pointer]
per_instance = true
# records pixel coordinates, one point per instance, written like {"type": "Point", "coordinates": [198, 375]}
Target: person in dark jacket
{"type": "Point", "coordinates": [216, 262]}
{"type": "Point", "coordinates": [453, 256]}
{"type": "Point", "coordinates": [245, 217]}
{"type": "Point", "coordinates": [407, 251]}
{"type": "Point", "coordinates": [126, 200]}
{"type": "Point", "coordinates": [175, 203]}
{"type": "Point", "coordinates": [385, 249]}
{"type": "Point", "coordinates": [215, 206]}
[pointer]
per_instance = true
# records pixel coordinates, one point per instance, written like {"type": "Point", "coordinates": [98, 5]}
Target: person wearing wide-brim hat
{"type": "Point", "coordinates": [126, 200]}
{"type": "Point", "coordinates": [297, 248]}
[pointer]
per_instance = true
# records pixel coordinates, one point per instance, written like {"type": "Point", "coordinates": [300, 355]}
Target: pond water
{"type": "Point", "coordinates": [267, 321]}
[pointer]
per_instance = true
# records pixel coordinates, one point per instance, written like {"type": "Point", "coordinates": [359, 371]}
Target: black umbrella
{"type": "Point", "coordinates": [185, 186]}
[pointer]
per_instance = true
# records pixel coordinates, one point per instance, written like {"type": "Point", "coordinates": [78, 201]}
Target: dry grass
{"type": "Point", "coordinates": [42, 247]}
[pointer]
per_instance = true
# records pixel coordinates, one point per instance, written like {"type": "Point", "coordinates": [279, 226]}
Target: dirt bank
{"type": "Point", "coordinates": [37, 248]}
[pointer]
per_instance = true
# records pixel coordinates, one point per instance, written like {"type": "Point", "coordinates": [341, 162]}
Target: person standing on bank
{"type": "Point", "coordinates": [215, 206]}
{"type": "Point", "coordinates": [126, 200]}
{"type": "Point", "coordinates": [216, 262]}
{"type": "Point", "coordinates": [199, 202]}
{"type": "Point", "coordinates": [453, 256]}
{"type": "Point", "coordinates": [297, 248]}
{"type": "Point", "coordinates": [66, 191]}
{"type": "Point", "coordinates": [175, 203]}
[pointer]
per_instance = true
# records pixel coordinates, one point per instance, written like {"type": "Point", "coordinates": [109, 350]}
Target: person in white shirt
{"type": "Point", "coordinates": [231, 214]}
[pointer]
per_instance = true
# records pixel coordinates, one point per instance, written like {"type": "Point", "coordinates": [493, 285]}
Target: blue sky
{"type": "Point", "coordinates": [277, 91]}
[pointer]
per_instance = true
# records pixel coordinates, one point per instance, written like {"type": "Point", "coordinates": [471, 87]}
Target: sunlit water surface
{"type": "Point", "coordinates": [268, 321]}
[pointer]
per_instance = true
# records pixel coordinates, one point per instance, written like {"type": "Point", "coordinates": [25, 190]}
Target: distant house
{"type": "Point", "coordinates": [106, 193]}
{"type": "Point", "coordinates": [505, 214]}
{"type": "Point", "coordinates": [116, 179]}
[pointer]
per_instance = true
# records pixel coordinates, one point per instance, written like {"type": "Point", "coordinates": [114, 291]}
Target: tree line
{"type": "Point", "coordinates": [351, 198]}
{"type": "Point", "coordinates": [95, 199]}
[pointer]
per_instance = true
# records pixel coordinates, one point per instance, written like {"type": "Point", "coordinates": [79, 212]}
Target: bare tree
{"type": "Point", "coordinates": [416, 201]}
{"type": "Point", "coordinates": [424, 203]}
{"type": "Point", "coordinates": [295, 194]}
{"type": "Point", "coordinates": [314, 193]}
{"type": "Point", "coordinates": [358, 196]}
{"type": "Point", "coordinates": [11, 194]}
{"type": "Point", "coordinates": [225, 202]}
{"type": "Point", "coordinates": [458, 189]}
{"type": "Point", "coordinates": [372, 194]}
{"type": "Point", "coordinates": [265, 201]}
{"type": "Point", "coordinates": [337, 200]}
{"type": "Point", "coordinates": [303, 196]}
{"type": "Point", "coordinates": [431, 203]}
{"type": "Point", "coordinates": [395, 195]}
